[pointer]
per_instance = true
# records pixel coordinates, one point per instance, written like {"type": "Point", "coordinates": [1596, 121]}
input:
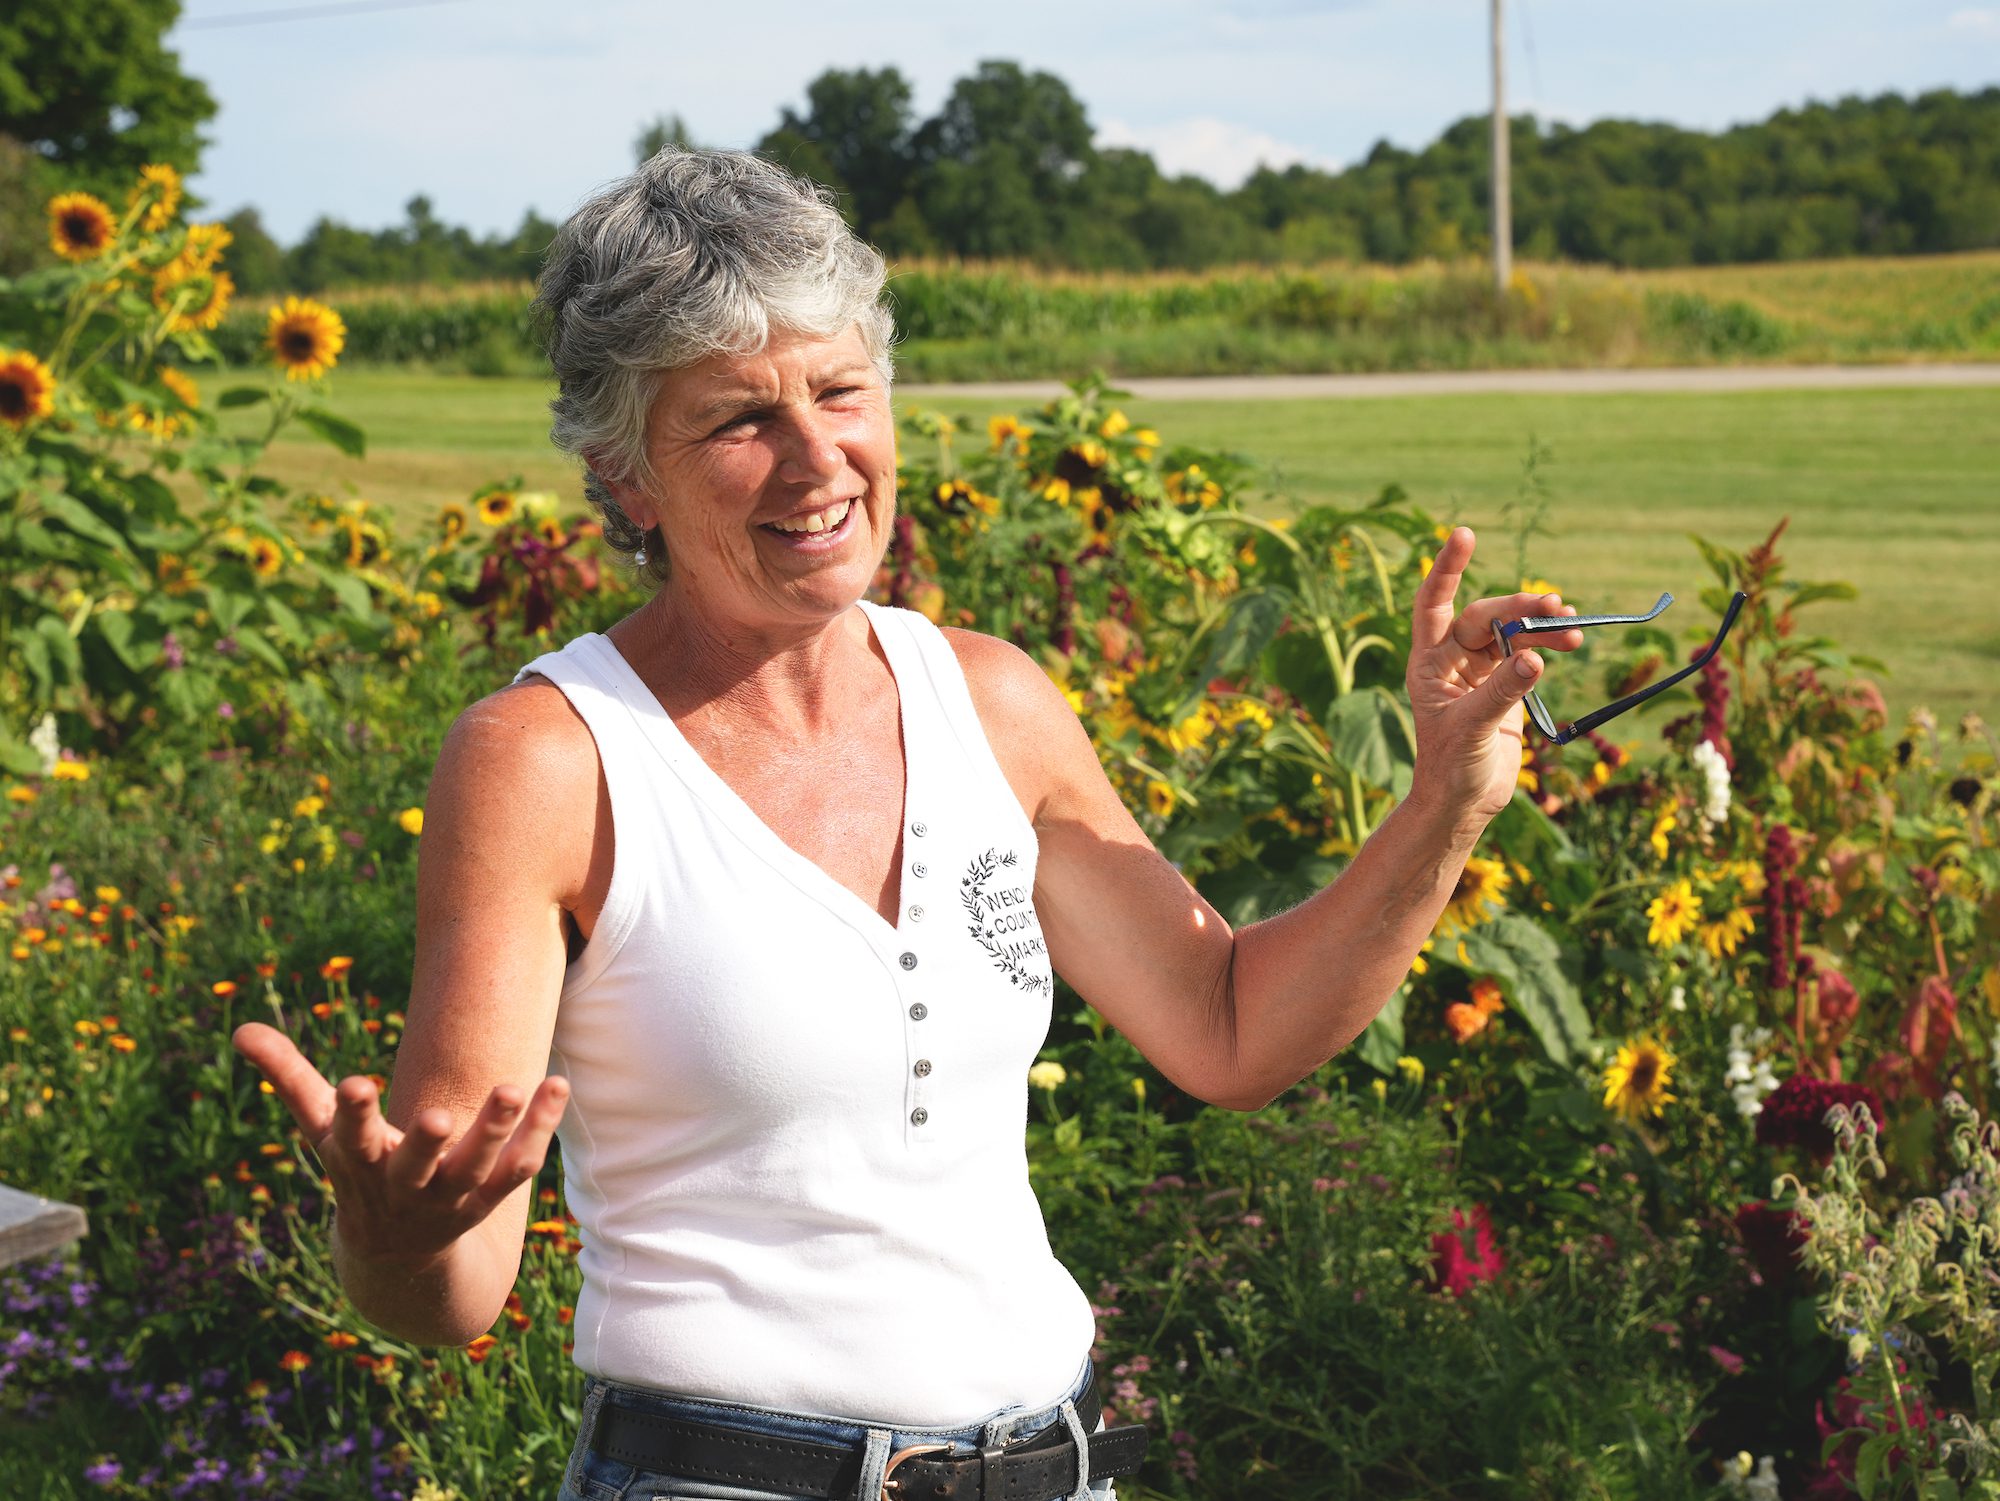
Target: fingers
{"type": "Point", "coordinates": [1473, 629]}
{"type": "Point", "coordinates": [507, 1142]}
{"type": "Point", "coordinates": [1431, 616]}
{"type": "Point", "coordinates": [302, 1089]}
{"type": "Point", "coordinates": [1499, 697]}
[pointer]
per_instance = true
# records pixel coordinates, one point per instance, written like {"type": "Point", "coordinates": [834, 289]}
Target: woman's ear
{"type": "Point", "coordinates": [633, 501]}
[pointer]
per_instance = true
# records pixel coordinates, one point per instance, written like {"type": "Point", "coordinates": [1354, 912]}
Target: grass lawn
{"type": "Point", "coordinates": [1896, 491]}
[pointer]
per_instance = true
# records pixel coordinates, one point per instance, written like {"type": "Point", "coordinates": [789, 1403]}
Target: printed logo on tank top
{"type": "Point", "coordinates": [1002, 920]}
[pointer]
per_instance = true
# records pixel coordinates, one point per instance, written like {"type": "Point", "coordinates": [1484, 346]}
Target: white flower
{"type": "Point", "coordinates": [43, 740]}
{"type": "Point", "coordinates": [1677, 998]}
{"type": "Point", "coordinates": [1715, 804]}
{"type": "Point", "coordinates": [1749, 1077]}
{"type": "Point", "coordinates": [1047, 1074]}
{"type": "Point", "coordinates": [1739, 1481]}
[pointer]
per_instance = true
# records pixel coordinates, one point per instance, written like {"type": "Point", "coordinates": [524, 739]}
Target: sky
{"type": "Point", "coordinates": [350, 108]}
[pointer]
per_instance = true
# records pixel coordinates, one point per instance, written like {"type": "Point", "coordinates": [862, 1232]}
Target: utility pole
{"type": "Point", "coordinates": [1503, 213]}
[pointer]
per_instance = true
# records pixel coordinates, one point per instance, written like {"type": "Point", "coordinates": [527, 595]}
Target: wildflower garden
{"type": "Point", "coordinates": [1668, 1172]}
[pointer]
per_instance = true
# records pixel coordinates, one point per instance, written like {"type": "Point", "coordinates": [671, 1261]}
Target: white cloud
{"type": "Point", "coordinates": [1979, 20]}
{"type": "Point", "coordinates": [1220, 150]}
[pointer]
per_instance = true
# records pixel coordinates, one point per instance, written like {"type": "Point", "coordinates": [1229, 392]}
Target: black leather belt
{"type": "Point", "coordinates": [1036, 1469]}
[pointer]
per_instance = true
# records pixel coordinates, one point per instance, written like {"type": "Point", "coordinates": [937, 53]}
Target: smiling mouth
{"type": "Point", "coordinates": [814, 523]}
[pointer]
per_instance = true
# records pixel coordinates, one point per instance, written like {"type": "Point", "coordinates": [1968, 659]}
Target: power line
{"type": "Point", "coordinates": [307, 12]}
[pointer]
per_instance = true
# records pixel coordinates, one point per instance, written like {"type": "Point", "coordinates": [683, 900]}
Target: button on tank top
{"type": "Point", "coordinates": [796, 1137]}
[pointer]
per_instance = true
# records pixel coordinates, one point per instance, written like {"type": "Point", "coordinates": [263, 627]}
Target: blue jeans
{"type": "Point", "coordinates": [595, 1477]}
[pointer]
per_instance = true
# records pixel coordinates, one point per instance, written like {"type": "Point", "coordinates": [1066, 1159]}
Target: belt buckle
{"type": "Point", "coordinates": [898, 1457]}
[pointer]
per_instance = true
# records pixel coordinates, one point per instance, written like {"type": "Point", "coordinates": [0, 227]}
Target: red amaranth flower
{"type": "Point", "coordinates": [1794, 1116]}
{"type": "Point", "coordinates": [1774, 1238]}
{"type": "Point", "coordinates": [1712, 688]}
{"type": "Point", "coordinates": [1465, 1255]}
{"type": "Point", "coordinates": [1782, 895]}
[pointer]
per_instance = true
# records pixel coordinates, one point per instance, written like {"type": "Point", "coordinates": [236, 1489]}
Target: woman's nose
{"type": "Point", "coordinates": [813, 454]}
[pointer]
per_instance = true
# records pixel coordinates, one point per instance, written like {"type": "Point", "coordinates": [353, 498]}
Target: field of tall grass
{"type": "Point", "coordinates": [987, 322]}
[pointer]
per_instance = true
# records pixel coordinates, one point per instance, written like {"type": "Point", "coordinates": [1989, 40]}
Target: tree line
{"type": "Point", "coordinates": [1008, 169]}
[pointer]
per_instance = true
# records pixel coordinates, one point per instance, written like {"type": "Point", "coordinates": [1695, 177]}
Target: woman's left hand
{"type": "Point", "coordinates": [1465, 694]}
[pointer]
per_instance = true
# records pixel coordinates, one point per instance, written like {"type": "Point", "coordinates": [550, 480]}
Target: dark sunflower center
{"type": "Point", "coordinates": [299, 344]}
{"type": "Point", "coordinates": [13, 400]}
{"type": "Point", "coordinates": [1645, 1074]}
{"type": "Point", "coordinates": [80, 229]}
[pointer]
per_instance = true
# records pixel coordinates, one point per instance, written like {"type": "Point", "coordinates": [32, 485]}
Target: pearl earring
{"type": "Point", "coordinates": [639, 557]}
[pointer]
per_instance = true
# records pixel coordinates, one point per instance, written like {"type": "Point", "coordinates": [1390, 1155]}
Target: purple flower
{"type": "Point", "coordinates": [104, 1472]}
{"type": "Point", "coordinates": [174, 1397]}
{"type": "Point", "coordinates": [172, 653]}
{"type": "Point", "coordinates": [225, 646]}
{"type": "Point", "coordinates": [79, 1293]}
{"type": "Point", "coordinates": [225, 710]}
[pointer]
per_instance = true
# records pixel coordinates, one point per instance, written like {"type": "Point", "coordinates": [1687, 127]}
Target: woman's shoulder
{"type": "Point", "coordinates": [525, 736]}
{"type": "Point", "coordinates": [1021, 709]}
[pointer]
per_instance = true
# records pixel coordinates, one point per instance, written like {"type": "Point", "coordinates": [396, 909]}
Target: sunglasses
{"type": "Point", "coordinates": [1542, 625]}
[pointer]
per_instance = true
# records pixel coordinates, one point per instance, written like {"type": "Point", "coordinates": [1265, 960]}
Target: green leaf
{"type": "Point", "coordinates": [351, 592]}
{"type": "Point", "coordinates": [19, 757]}
{"type": "Point", "coordinates": [115, 627]}
{"type": "Point", "coordinates": [290, 630]}
{"type": "Point", "coordinates": [338, 431]}
{"type": "Point", "coordinates": [81, 519]}
{"type": "Point", "coordinates": [1869, 1461]}
{"type": "Point", "coordinates": [1526, 958]}
{"type": "Point", "coordinates": [254, 644]}
{"type": "Point", "coordinates": [228, 608]}
{"type": "Point", "coordinates": [1367, 735]}
{"type": "Point", "coordinates": [242, 396]}
{"type": "Point", "coordinates": [1236, 644]}
{"type": "Point", "coordinates": [35, 653]}
{"type": "Point", "coordinates": [1382, 1043]}
{"type": "Point", "coordinates": [1806, 594]}
{"type": "Point", "coordinates": [56, 630]}
{"type": "Point", "coordinates": [1720, 559]}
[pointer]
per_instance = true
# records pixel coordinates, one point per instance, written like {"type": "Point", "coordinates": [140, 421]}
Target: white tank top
{"type": "Point", "coordinates": [796, 1135]}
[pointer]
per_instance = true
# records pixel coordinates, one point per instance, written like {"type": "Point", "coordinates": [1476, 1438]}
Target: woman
{"type": "Point", "coordinates": [754, 902]}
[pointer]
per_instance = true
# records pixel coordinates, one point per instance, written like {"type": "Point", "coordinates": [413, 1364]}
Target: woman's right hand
{"type": "Point", "coordinates": [401, 1196]}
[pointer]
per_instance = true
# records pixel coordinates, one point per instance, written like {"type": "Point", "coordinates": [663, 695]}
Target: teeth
{"type": "Point", "coordinates": [818, 521]}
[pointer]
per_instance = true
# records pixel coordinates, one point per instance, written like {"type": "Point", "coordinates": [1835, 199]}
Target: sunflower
{"type": "Point", "coordinates": [1636, 1083]}
{"type": "Point", "coordinates": [179, 386]}
{"type": "Point", "coordinates": [191, 296]}
{"type": "Point", "coordinates": [306, 337]}
{"type": "Point", "coordinates": [497, 509]}
{"type": "Point", "coordinates": [160, 189]}
{"type": "Point", "coordinates": [265, 556]}
{"type": "Point", "coordinates": [1005, 429]}
{"type": "Point", "coordinates": [1673, 912]}
{"type": "Point", "coordinates": [1478, 891]}
{"type": "Point", "coordinates": [1159, 798]}
{"type": "Point", "coordinates": [27, 388]}
{"type": "Point", "coordinates": [451, 521]}
{"type": "Point", "coordinates": [80, 226]}
{"type": "Point", "coordinates": [551, 531]}
{"type": "Point", "coordinates": [1723, 935]}
{"type": "Point", "coordinates": [205, 244]}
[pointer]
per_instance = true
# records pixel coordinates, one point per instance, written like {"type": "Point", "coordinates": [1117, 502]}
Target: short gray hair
{"type": "Point", "coordinates": [696, 253]}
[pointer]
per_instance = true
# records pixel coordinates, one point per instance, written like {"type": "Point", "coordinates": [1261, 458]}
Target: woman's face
{"type": "Point", "coordinates": [775, 479]}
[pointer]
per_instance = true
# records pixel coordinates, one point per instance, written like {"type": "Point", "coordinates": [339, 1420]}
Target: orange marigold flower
{"type": "Point", "coordinates": [564, 1313]}
{"type": "Point", "coordinates": [295, 1360]}
{"type": "Point", "coordinates": [1486, 995]}
{"type": "Point", "coordinates": [1465, 1022]}
{"type": "Point", "coordinates": [478, 1348]}
{"type": "Point", "coordinates": [224, 989]}
{"type": "Point", "coordinates": [336, 968]}
{"type": "Point", "coordinates": [123, 1043]}
{"type": "Point", "coordinates": [340, 1339]}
